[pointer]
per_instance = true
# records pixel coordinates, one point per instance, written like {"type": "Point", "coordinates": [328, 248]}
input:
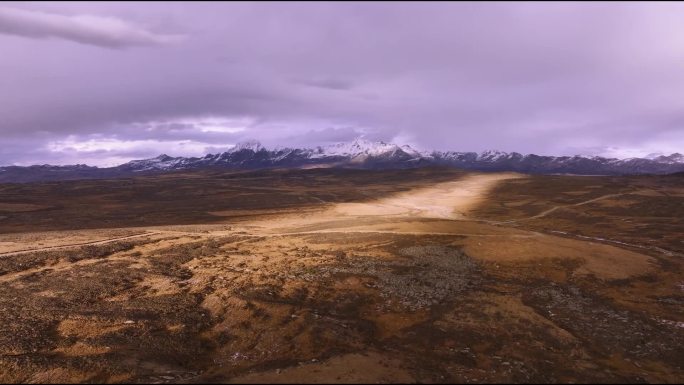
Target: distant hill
{"type": "Point", "coordinates": [359, 153]}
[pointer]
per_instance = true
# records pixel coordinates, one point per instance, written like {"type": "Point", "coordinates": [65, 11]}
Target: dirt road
{"type": "Point", "coordinates": [69, 245]}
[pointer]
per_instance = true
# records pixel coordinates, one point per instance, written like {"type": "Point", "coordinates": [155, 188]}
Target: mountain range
{"type": "Point", "coordinates": [359, 153]}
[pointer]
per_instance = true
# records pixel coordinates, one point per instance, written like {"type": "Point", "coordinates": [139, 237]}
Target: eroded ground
{"type": "Point", "coordinates": [343, 276]}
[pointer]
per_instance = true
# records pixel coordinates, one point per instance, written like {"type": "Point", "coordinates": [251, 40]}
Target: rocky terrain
{"type": "Point", "coordinates": [340, 275]}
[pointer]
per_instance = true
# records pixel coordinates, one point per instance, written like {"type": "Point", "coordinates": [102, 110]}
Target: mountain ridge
{"type": "Point", "coordinates": [359, 153]}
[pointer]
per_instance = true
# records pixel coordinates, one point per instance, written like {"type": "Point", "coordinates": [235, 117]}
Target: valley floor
{"type": "Point", "coordinates": [328, 276]}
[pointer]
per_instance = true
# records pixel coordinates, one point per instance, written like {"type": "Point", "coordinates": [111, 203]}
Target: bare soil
{"type": "Point", "coordinates": [345, 276]}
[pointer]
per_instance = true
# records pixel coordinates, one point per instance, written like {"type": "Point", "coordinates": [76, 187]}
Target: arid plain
{"type": "Point", "coordinates": [330, 275]}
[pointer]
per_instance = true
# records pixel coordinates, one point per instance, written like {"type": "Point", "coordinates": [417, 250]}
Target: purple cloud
{"type": "Point", "coordinates": [100, 31]}
{"type": "Point", "coordinates": [549, 78]}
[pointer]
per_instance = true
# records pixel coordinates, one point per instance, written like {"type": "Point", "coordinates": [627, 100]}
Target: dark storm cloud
{"type": "Point", "coordinates": [551, 78]}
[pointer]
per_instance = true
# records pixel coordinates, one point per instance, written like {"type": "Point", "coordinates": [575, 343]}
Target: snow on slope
{"type": "Point", "coordinates": [362, 147]}
{"type": "Point", "coordinates": [252, 154]}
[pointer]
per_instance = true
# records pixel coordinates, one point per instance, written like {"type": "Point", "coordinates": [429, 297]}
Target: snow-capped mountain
{"type": "Point", "coordinates": [362, 147]}
{"type": "Point", "coordinates": [368, 154]}
{"type": "Point", "coordinates": [492, 155]}
{"type": "Point", "coordinates": [251, 145]}
{"type": "Point", "coordinates": [162, 162]}
{"type": "Point", "coordinates": [359, 153]}
{"type": "Point", "coordinates": [671, 159]}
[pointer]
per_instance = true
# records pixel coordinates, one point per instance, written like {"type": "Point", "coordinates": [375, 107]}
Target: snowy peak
{"type": "Point", "coordinates": [163, 158]}
{"type": "Point", "coordinates": [160, 163]}
{"type": "Point", "coordinates": [675, 158]}
{"type": "Point", "coordinates": [251, 145]}
{"type": "Point", "coordinates": [356, 147]}
{"type": "Point", "coordinates": [492, 155]}
{"type": "Point", "coordinates": [364, 147]}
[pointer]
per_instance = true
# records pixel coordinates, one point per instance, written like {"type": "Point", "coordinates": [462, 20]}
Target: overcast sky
{"type": "Point", "coordinates": [103, 83]}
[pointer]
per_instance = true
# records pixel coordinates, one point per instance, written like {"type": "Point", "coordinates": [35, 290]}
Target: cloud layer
{"type": "Point", "coordinates": [549, 78]}
{"type": "Point", "coordinates": [100, 31]}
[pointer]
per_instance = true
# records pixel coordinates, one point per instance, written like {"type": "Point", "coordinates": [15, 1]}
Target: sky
{"type": "Point", "coordinates": [102, 83]}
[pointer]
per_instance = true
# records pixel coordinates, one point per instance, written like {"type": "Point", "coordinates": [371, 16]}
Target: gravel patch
{"type": "Point", "coordinates": [424, 276]}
